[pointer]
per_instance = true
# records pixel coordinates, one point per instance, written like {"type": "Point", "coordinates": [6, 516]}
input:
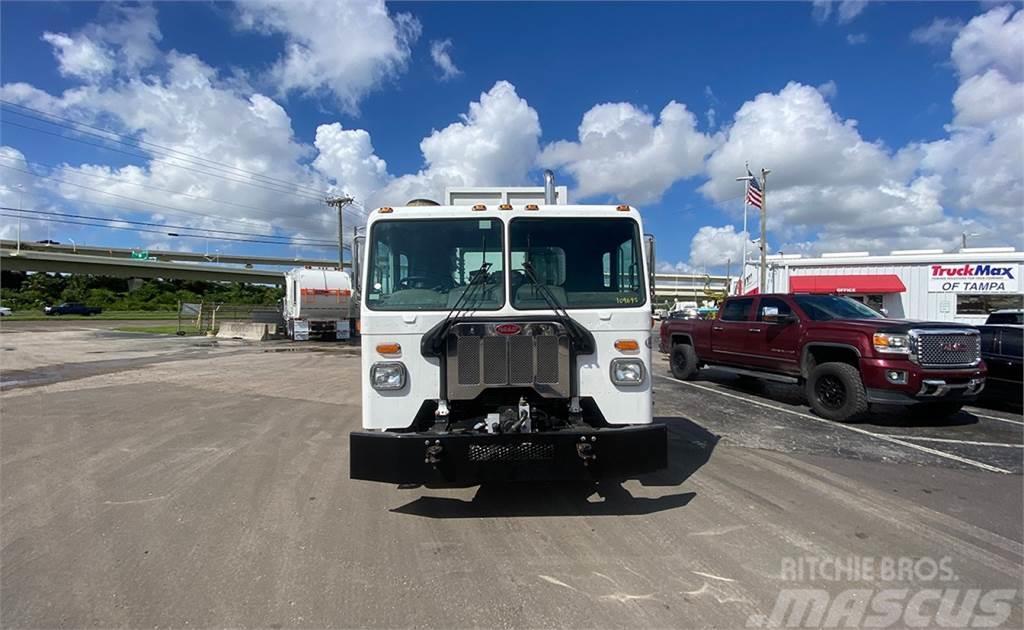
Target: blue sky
{"type": "Point", "coordinates": [851, 104]}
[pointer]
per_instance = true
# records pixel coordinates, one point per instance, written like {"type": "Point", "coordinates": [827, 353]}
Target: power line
{"type": "Point", "coordinates": [288, 239]}
{"type": "Point", "coordinates": [199, 236]}
{"type": "Point", "coordinates": [104, 192]}
{"type": "Point", "coordinates": [149, 186]}
{"type": "Point", "coordinates": [163, 161]}
{"type": "Point", "coordinates": [126, 140]}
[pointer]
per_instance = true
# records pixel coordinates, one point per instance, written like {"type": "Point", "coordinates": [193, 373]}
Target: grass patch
{"type": "Point", "coordinates": [156, 330]}
{"type": "Point", "coordinates": [106, 315]}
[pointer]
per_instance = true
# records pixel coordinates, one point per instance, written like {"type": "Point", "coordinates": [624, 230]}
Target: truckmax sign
{"type": "Point", "coordinates": [974, 278]}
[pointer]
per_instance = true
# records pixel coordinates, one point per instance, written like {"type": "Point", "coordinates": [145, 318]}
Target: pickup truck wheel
{"type": "Point", "coordinates": [835, 391]}
{"type": "Point", "coordinates": [683, 361]}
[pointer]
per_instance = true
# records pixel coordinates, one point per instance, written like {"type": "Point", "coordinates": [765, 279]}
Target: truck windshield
{"type": "Point", "coordinates": [583, 262]}
{"type": "Point", "coordinates": [426, 265]}
{"type": "Point", "coordinates": [825, 307]}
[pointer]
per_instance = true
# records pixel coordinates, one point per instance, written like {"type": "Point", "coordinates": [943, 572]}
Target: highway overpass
{"type": "Point", "coordinates": [120, 252]}
{"type": "Point", "coordinates": [56, 258]}
{"type": "Point", "coordinates": [61, 262]}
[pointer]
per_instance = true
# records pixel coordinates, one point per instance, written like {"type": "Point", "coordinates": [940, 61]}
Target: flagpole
{"type": "Point", "coordinates": [743, 266]}
{"type": "Point", "coordinates": [764, 230]}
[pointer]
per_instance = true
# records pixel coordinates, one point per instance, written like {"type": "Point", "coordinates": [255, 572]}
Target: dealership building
{"type": "Point", "coordinates": [963, 286]}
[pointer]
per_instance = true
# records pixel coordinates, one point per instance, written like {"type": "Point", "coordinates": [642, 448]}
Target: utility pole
{"type": "Point", "coordinates": [340, 203]}
{"type": "Point", "coordinates": [764, 229]}
{"type": "Point", "coordinates": [21, 208]}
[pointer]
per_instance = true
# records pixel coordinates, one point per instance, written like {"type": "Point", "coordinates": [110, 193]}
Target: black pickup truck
{"type": "Point", "coordinates": [72, 308]}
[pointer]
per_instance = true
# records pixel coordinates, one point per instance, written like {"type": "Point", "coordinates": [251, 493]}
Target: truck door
{"type": "Point", "coordinates": [775, 336]}
{"type": "Point", "coordinates": [731, 331]}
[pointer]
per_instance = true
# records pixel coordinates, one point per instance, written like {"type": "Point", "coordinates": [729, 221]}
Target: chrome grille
{"type": "Point", "coordinates": [547, 359]}
{"type": "Point", "coordinates": [525, 451]}
{"type": "Point", "coordinates": [479, 357]}
{"type": "Point", "coordinates": [469, 363]}
{"type": "Point", "coordinates": [948, 349]}
{"type": "Point", "coordinates": [495, 361]}
{"type": "Point", "coordinates": [520, 360]}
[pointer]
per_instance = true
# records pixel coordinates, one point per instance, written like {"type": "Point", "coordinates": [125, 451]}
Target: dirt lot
{"type": "Point", "coordinates": [176, 482]}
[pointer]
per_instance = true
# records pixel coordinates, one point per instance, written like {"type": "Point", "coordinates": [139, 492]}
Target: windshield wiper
{"type": "Point", "coordinates": [434, 339]}
{"type": "Point", "coordinates": [582, 340]}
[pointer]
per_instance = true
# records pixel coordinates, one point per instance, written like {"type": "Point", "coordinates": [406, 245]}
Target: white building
{"type": "Point", "coordinates": [963, 286]}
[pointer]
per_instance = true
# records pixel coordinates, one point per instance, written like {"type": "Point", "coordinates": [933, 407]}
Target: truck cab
{"type": "Point", "coordinates": [505, 342]}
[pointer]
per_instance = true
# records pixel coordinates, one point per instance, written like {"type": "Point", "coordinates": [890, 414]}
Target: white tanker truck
{"type": "Point", "coordinates": [505, 341]}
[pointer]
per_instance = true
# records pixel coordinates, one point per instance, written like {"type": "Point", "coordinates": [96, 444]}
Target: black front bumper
{"type": "Point", "coordinates": [428, 458]}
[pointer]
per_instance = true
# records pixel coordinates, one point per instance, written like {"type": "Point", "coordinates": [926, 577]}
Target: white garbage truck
{"type": "Point", "coordinates": [318, 303]}
{"type": "Point", "coordinates": [507, 341]}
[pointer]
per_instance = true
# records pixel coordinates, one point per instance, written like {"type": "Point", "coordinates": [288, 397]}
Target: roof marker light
{"type": "Point", "coordinates": [479, 207]}
{"type": "Point", "coordinates": [385, 210]}
{"type": "Point", "coordinates": [622, 208]}
{"type": "Point", "coordinates": [505, 206]}
{"type": "Point", "coordinates": [532, 206]}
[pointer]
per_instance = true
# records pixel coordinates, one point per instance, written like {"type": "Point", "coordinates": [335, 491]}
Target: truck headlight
{"type": "Point", "coordinates": [891, 344]}
{"type": "Point", "coordinates": [627, 371]}
{"type": "Point", "coordinates": [387, 375]}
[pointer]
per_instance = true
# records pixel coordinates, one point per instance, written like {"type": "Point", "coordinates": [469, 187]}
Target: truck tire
{"type": "Point", "coordinates": [835, 391]}
{"type": "Point", "coordinates": [683, 361]}
{"type": "Point", "coordinates": [935, 410]}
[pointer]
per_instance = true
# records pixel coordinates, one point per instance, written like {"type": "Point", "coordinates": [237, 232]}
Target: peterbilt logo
{"type": "Point", "coordinates": [507, 329]}
{"type": "Point", "coordinates": [954, 346]}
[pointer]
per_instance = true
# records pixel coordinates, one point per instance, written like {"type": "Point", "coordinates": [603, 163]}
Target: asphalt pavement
{"type": "Point", "coordinates": [209, 487]}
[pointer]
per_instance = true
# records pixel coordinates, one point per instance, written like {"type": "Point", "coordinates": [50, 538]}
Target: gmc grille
{"type": "Point", "coordinates": [948, 349]}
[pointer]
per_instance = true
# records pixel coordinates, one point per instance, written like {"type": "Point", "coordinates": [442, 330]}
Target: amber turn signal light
{"type": "Point", "coordinates": [627, 345]}
{"type": "Point", "coordinates": [387, 349]}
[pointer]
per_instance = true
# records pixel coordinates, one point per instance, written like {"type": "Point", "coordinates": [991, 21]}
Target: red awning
{"type": "Point", "coordinates": [863, 284]}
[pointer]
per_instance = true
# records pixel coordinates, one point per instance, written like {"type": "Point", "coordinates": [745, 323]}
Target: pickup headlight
{"type": "Point", "coordinates": [387, 376]}
{"type": "Point", "coordinates": [891, 344]}
{"type": "Point", "coordinates": [627, 371]}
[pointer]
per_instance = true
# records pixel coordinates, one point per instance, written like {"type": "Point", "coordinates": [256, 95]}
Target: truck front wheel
{"type": "Point", "coordinates": [683, 361]}
{"type": "Point", "coordinates": [835, 391]}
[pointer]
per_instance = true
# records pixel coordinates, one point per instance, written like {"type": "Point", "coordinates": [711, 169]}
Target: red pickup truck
{"type": "Point", "coordinates": [846, 355]}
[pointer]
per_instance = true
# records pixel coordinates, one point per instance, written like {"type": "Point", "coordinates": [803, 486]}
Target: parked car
{"type": "Point", "coordinates": [5, 312]}
{"type": "Point", "coordinates": [845, 355]}
{"type": "Point", "coordinates": [1006, 316]}
{"type": "Point", "coordinates": [1003, 351]}
{"type": "Point", "coordinates": [72, 308]}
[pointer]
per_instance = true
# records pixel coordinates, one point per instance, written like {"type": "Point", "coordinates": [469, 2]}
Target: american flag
{"type": "Point", "coordinates": [754, 195]}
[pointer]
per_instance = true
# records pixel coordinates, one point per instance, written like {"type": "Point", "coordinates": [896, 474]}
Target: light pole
{"type": "Point", "coordinates": [764, 228]}
{"type": "Point", "coordinates": [74, 247]}
{"type": "Point", "coordinates": [21, 204]}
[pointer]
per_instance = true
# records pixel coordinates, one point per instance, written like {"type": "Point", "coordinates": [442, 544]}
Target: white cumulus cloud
{"type": "Point", "coordinates": [626, 153]}
{"type": "Point", "coordinates": [345, 48]}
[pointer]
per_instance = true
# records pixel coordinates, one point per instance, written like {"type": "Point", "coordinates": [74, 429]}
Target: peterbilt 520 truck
{"type": "Point", "coordinates": [505, 342]}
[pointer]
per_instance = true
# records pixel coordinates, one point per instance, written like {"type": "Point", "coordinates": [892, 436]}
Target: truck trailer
{"type": "Point", "coordinates": [318, 303]}
{"type": "Point", "coordinates": [507, 341]}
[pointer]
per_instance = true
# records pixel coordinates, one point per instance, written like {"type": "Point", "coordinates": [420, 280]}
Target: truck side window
{"type": "Point", "coordinates": [737, 310]}
{"type": "Point", "coordinates": [772, 302]}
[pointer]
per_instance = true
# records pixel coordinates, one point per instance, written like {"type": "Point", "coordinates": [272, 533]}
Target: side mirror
{"type": "Point", "coordinates": [771, 315]}
{"type": "Point", "coordinates": [884, 312]}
